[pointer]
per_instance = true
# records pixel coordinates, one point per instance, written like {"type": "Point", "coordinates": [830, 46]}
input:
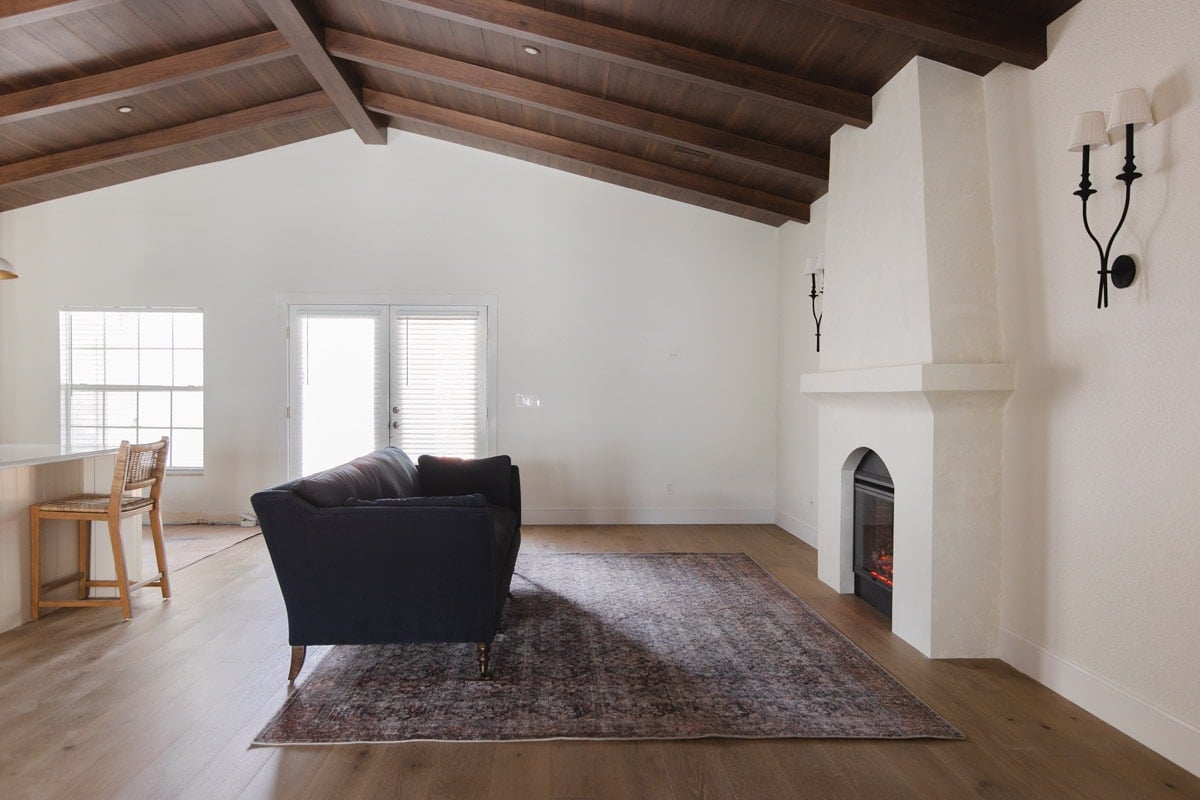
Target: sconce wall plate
{"type": "Point", "coordinates": [1123, 271]}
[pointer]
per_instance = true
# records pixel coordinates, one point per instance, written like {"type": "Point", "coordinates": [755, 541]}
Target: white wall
{"type": "Point", "coordinates": [1101, 535]}
{"type": "Point", "coordinates": [597, 286]}
{"type": "Point", "coordinates": [796, 417]}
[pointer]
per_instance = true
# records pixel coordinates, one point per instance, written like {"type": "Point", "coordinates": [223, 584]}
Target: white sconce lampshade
{"type": "Point", "coordinates": [1088, 131]}
{"type": "Point", "coordinates": [815, 265]}
{"type": "Point", "coordinates": [7, 271]}
{"type": "Point", "coordinates": [1130, 107]}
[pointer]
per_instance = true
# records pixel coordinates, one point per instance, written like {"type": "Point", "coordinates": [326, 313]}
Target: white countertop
{"type": "Point", "coordinates": [28, 455]}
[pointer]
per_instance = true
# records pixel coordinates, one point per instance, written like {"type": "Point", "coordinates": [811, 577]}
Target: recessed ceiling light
{"type": "Point", "coordinates": [531, 50]}
{"type": "Point", "coordinates": [124, 109]}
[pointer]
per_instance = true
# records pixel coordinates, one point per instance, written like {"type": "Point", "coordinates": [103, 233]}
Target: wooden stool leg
{"type": "Point", "coordinates": [35, 562]}
{"type": "Point", "coordinates": [160, 550]}
{"type": "Point", "coordinates": [85, 557]}
{"type": "Point", "coordinates": [118, 548]}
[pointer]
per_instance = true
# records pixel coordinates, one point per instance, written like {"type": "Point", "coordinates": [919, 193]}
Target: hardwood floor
{"type": "Point", "coordinates": [164, 706]}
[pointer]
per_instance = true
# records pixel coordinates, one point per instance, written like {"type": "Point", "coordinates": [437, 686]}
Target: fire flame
{"type": "Point", "coordinates": [881, 569]}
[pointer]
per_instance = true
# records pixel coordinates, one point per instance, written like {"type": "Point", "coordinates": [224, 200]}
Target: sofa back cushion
{"type": "Point", "coordinates": [384, 473]}
{"type": "Point", "coordinates": [491, 477]}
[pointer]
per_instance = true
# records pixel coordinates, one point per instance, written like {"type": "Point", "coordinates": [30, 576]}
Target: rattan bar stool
{"type": "Point", "coordinates": [139, 466]}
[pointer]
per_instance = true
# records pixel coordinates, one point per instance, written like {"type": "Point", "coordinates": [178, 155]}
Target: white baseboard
{"type": "Point", "coordinates": [797, 527]}
{"type": "Point", "coordinates": [1154, 727]}
{"type": "Point", "coordinates": [190, 518]}
{"type": "Point", "coordinates": [647, 516]}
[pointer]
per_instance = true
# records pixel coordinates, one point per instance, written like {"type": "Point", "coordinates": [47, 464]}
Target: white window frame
{"type": "Point", "coordinates": [288, 304]}
{"type": "Point", "coordinates": [64, 385]}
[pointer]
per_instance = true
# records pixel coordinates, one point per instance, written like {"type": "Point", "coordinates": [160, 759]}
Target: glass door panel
{"type": "Point", "coordinates": [338, 402]}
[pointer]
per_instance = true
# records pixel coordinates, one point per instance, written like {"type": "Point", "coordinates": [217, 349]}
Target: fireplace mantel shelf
{"type": "Point", "coordinates": [912, 378]}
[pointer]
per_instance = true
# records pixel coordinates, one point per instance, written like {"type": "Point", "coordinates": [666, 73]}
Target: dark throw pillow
{"type": "Point", "coordinates": [491, 477]}
{"type": "Point", "coordinates": [454, 501]}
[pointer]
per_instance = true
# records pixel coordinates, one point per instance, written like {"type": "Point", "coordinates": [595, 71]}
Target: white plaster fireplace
{"type": "Point", "coordinates": [938, 429]}
{"type": "Point", "coordinates": [911, 362]}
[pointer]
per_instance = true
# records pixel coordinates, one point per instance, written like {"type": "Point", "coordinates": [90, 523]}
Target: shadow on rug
{"type": "Point", "coordinates": [618, 646]}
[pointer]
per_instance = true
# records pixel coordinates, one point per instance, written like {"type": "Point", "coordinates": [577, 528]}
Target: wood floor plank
{"type": "Point", "coordinates": [166, 705]}
{"type": "Point", "coordinates": [520, 770]}
{"type": "Point", "coordinates": [695, 771]}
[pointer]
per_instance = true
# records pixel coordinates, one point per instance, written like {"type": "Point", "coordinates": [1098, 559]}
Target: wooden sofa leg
{"type": "Point", "coordinates": [298, 654]}
{"type": "Point", "coordinates": [483, 652]}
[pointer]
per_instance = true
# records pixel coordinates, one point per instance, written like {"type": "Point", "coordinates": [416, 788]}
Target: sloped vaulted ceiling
{"type": "Point", "coordinates": [727, 105]}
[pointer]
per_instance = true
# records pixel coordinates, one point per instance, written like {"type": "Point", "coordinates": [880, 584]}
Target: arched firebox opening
{"type": "Point", "coordinates": [874, 516]}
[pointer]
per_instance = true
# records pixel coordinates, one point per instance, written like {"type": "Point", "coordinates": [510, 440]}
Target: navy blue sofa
{"type": "Point", "coordinates": [382, 551]}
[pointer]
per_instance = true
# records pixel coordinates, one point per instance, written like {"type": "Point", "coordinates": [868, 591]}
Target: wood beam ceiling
{"type": "Point", "coordinates": [975, 29]}
{"type": "Point", "coordinates": [15, 13]}
{"type": "Point", "coordinates": [302, 30]}
{"type": "Point", "coordinates": [128, 81]}
{"type": "Point", "coordinates": [144, 144]}
{"type": "Point", "coordinates": [657, 56]}
{"type": "Point", "coordinates": [577, 105]}
{"type": "Point", "coordinates": [400, 107]}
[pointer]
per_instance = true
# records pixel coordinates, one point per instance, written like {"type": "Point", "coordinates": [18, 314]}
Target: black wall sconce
{"type": "Point", "coordinates": [816, 268]}
{"type": "Point", "coordinates": [1131, 111]}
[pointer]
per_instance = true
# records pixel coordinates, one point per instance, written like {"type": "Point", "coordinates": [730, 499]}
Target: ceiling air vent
{"type": "Point", "coordinates": [688, 152]}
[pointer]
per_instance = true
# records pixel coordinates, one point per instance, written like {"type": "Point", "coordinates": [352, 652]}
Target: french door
{"type": "Point", "coordinates": [366, 376]}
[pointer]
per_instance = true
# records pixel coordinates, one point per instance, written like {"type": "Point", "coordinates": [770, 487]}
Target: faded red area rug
{"type": "Point", "coordinates": [618, 646]}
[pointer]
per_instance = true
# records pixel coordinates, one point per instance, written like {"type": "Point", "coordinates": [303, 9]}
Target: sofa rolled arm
{"type": "Point", "coordinates": [376, 575]}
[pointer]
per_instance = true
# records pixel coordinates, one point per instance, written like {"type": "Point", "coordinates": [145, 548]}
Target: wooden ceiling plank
{"type": "Point", "coordinates": [974, 29]}
{"type": "Point", "coordinates": [657, 56]}
{"type": "Point", "coordinates": [165, 140]}
{"type": "Point", "coordinates": [404, 108]}
{"type": "Point", "coordinates": [16, 13]}
{"type": "Point", "coordinates": [577, 105]}
{"type": "Point", "coordinates": [128, 81]}
{"type": "Point", "coordinates": [300, 27]}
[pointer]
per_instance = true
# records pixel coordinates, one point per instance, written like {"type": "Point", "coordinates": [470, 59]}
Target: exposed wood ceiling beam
{"type": "Point", "coordinates": [144, 144]}
{"type": "Point", "coordinates": [577, 105]}
{"type": "Point", "coordinates": [974, 29]}
{"type": "Point", "coordinates": [301, 28]}
{"type": "Point", "coordinates": [15, 13]}
{"type": "Point", "coordinates": [538, 26]}
{"type": "Point", "coordinates": [127, 81]}
{"type": "Point", "coordinates": [402, 107]}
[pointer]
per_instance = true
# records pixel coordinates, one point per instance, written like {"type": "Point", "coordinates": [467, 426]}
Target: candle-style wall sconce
{"type": "Point", "coordinates": [1130, 111]}
{"type": "Point", "coordinates": [815, 267]}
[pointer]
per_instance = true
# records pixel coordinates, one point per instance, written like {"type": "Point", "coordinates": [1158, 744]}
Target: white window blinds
{"type": "Point", "coordinates": [438, 397]}
{"type": "Point", "coordinates": [136, 375]}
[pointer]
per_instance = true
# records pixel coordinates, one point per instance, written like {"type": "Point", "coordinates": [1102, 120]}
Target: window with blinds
{"type": "Point", "coordinates": [438, 382]}
{"type": "Point", "coordinates": [134, 374]}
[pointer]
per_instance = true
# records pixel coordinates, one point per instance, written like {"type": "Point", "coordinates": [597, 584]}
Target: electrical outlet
{"type": "Point", "coordinates": [529, 401]}
{"type": "Point", "coordinates": [670, 488]}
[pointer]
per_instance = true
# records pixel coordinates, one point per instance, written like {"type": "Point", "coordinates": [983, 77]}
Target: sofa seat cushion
{"type": "Point", "coordinates": [384, 473]}
{"type": "Point", "coordinates": [490, 476]}
{"type": "Point", "coordinates": [423, 501]}
{"type": "Point", "coordinates": [504, 522]}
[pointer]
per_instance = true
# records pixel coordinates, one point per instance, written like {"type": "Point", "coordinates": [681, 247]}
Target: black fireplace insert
{"type": "Point", "coordinates": [874, 512]}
